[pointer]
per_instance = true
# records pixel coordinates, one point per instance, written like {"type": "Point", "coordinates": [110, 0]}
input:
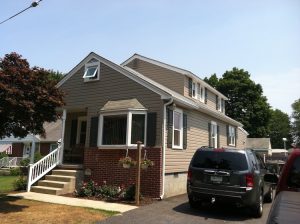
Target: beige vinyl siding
{"type": "Point", "coordinates": [112, 86]}
{"type": "Point", "coordinates": [211, 100]}
{"type": "Point", "coordinates": [241, 141]}
{"type": "Point", "coordinates": [197, 136]}
{"type": "Point", "coordinates": [172, 80]}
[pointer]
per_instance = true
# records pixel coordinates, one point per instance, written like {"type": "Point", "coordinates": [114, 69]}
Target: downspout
{"type": "Point", "coordinates": [164, 146]}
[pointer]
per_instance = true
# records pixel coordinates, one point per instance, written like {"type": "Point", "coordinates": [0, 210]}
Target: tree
{"type": "Point", "coordinates": [279, 128]}
{"type": "Point", "coordinates": [212, 80]}
{"type": "Point", "coordinates": [246, 102]}
{"type": "Point", "coordinates": [55, 75]}
{"type": "Point", "coordinates": [296, 123]}
{"type": "Point", "coordinates": [28, 98]}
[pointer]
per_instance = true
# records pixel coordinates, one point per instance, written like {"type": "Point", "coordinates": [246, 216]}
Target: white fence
{"type": "Point", "coordinates": [43, 166]}
{"type": "Point", "coordinates": [10, 162]}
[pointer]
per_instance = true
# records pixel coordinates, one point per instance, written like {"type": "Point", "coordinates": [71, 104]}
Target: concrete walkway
{"type": "Point", "coordinates": [74, 201]}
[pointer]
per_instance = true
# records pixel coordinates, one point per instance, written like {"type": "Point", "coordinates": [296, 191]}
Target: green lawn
{"type": "Point", "coordinates": [7, 183]}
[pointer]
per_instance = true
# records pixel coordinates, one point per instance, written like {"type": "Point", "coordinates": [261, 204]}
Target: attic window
{"type": "Point", "coordinates": [91, 71]}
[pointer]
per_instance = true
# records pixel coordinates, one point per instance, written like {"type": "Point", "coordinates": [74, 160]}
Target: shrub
{"type": "Point", "coordinates": [3, 154]}
{"type": "Point", "coordinates": [25, 162]}
{"type": "Point", "coordinates": [87, 189]}
{"type": "Point", "coordinates": [15, 171]}
{"type": "Point", "coordinates": [130, 193]}
{"type": "Point", "coordinates": [37, 157]}
{"type": "Point", "coordinates": [20, 183]}
{"type": "Point", "coordinates": [108, 191]}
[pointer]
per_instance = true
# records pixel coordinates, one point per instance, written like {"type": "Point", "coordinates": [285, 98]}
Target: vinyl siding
{"type": "Point", "coordinates": [197, 136]}
{"type": "Point", "coordinates": [91, 96]}
{"type": "Point", "coordinates": [241, 141]}
{"type": "Point", "coordinates": [172, 80]}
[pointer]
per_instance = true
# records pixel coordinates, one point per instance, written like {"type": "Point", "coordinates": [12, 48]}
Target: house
{"type": "Point", "coordinates": [23, 147]}
{"type": "Point", "coordinates": [110, 107]}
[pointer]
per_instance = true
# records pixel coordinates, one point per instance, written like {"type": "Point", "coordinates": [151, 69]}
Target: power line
{"type": "Point", "coordinates": [32, 5]}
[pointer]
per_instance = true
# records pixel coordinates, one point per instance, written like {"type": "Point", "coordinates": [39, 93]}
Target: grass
{"type": "Point", "coordinates": [16, 210]}
{"type": "Point", "coordinates": [7, 183]}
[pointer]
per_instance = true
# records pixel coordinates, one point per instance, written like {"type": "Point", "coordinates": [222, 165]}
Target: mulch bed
{"type": "Point", "coordinates": [143, 200]}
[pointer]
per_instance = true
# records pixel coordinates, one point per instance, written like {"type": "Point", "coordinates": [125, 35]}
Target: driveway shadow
{"type": "Point", "coordinates": [7, 205]}
{"type": "Point", "coordinates": [221, 212]}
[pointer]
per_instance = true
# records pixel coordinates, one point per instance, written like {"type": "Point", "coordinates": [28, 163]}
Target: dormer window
{"type": "Point", "coordinates": [194, 90]}
{"type": "Point", "coordinates": [91, 71]}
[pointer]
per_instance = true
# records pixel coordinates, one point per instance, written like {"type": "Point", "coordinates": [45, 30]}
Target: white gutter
{"type": "Point", "coordinates": [164, 147]}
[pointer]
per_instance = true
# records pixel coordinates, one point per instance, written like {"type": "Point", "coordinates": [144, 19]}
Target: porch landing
{"type": "Point", "coordinates": [74, 201]}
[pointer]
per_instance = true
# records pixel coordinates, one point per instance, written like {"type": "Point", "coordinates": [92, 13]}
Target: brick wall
{"type": "Point", "coordinates": [17, 150]}
{"type": "Point", "coordinates": [104, 165]}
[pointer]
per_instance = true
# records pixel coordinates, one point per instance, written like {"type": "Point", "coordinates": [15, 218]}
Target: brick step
{"type": "Point", "coordinates": [46, 190]}
{"type": "Point", "coordinates": [51, 183]}
{"type": "Point", "coordinates": [64, 172]}
{"type": "Point", "coordinates": [60, 178]}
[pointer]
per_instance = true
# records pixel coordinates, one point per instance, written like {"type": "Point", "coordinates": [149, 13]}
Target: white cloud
{"type": "Point", "coordinates": [281, 89]}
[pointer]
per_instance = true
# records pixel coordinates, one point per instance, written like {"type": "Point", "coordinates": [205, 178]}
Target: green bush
{"type": "Point", "coordinates": [37, 157]}
{"type": "Point", "coordinates": [130, 193]}
{"type": "Point", "coordinates": [3, 154]}
{"type": "Point", "coordinates": [20, 183]}
{"type": "Point", "coordinates": [15, 171]}
{"type": "Point", "coordinates": [108, 191]}
{"type": "Point", "coordinates": [25, 162]}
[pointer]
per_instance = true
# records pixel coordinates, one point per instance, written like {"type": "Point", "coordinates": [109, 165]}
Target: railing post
{"type": "Point", "coordinates": [29, 177]}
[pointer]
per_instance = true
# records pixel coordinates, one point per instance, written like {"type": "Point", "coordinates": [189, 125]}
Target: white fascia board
{"type": "Point", "coordinates": [175, 69]}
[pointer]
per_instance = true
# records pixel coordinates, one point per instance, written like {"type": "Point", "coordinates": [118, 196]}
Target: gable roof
{"type": "Point", "coordinates": [258, 143]}
{"type": "Point", "coordinates": [152, 85]}
{"type": "Point", "coordinates": [117, 105]}
{"type": "Point", "coordinates": [175, 69]}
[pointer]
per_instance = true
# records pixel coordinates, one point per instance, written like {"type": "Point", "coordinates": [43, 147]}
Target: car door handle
{"type": "Point", "coordinates": [209, 172]}
{"type": "Point", "coordinates": [223, 173]}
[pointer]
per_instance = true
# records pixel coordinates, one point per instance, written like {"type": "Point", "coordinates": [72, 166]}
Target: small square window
{"type": "Point", "coordinates": [92, 71]}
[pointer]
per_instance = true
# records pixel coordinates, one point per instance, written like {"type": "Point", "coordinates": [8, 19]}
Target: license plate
{"type": "Point", "coordinates": [216, 179]}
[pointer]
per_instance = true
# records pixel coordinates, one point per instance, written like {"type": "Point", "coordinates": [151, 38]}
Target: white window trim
{"type": "Point", "coordinates": [219, 104]}
{"type": "Point", "coordinates": [215, 139]}
{"type": "Point", "coordinates": [232, 135]}
{"type": "Point", "coordinates": [92, 64]}
{"type": "Point", "coordinates": [199, 95]}
{"type": "Point", "coordinates": [194, 90]}
{"type": "Point", "coordinates": [128, 129]}
{"type": "Point", "coordinates": [51, 148]}
{"type": "Point", "coordinates": [181, 130]}
{"type": "Point", "coordinates": [79, 120]}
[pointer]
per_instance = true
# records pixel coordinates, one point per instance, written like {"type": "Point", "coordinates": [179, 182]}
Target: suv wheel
{"type": "Point", "coordinates": [193, 203]}
{"type": "Point", "coordinates": [269, 196]}
{"type": "Point", "coordinates": [258, 208]}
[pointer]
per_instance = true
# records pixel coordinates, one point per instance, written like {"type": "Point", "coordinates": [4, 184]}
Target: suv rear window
{"type": "Point", "coordinates": [294, 177]}
{"type": "Point", "coordinates": [220, 160]}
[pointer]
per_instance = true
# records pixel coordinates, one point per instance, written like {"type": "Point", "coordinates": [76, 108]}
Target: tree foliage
{"type": "Point", "coordinates": [55, 76]}
{"type": "Point", "coordinates": [246, 102]}
{"type": "Point", "coordinates": [28, 98]}
{"type": "Point", "coordinates": [212, 80]}
{"type": "Point", "coordinates": [279, 128]}
{"type": "Point", "coordinates": [296, 122]}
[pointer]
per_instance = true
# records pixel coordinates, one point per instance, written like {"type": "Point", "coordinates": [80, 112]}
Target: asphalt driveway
{"type": "Point", "coordinates": [176, 210]}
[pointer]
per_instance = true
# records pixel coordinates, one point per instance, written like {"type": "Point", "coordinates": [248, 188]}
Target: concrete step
{"type": "Point", "coordinates": [64, 172]}
{"type": "Point", "coordinates": [46, 190]}
{"type": "Point", "coordinates": [51, 183]}
{"type": "Point", "coordinates": [60, 178]}
{"type": "Point", "coordinates": [70, 166]}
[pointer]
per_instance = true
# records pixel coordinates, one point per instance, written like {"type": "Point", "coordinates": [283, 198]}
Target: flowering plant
{"type": "Point", "coordinates": [127, 161]}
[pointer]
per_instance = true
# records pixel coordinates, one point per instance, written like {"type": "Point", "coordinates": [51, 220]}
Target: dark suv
{"type": "Point", "coordinates": [228, 175]}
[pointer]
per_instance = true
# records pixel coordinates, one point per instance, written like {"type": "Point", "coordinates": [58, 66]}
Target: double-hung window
{"type": "Point", "coordinates": [214, 134]}
{"type": "Point", "coordinates": [231, 136]}
{"type": "Point", "coordinates": [177, 129]}
{"type": "Point", "coordinates": [122, 128]}
{"type": "Point", "coordinates": [194, 90]}
{"type": "Point", "coordinates": [200, 94]}
{"type": "Point", "coordinates": [91, 71]}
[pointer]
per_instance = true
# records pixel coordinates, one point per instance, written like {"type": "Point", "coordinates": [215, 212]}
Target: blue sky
{"type": "Point", "coordinates": [205, 37]}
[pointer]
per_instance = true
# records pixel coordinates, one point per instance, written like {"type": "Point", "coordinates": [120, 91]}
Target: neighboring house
{"type": "Point", "coordinates": [22, 147]}
{"type": "Point", "coordinates": [110, 107]}
{"type": "Point", "coordinates": [6, 148]}
{"type": "Point", "coordinates": [258, 143]}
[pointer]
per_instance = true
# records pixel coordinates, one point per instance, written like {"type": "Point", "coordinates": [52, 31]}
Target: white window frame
{"type": "Point", "coordinates": [200, 93]}
{"type": "Point", "coordinates": [79, 120]}
{"type": "Point", "coordinates": [97, 72]}
{"type": "Point", "coordinates": [232, 134]}
{"type": "Point", "coordinates": [128, 128]}
{"type": "Point", "coordinates": [51, 148]}
{"type": "Point", "coordinates": [214, 138]}
{"type": "Point", "coordinates": [219, 104]}
{"type": "Point", "coordinates": [180, 146]}
{"type": "Point", "coordinates": [194, 90]}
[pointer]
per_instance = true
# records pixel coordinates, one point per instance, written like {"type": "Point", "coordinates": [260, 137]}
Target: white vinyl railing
{"type": "Point", "coordinates": [43, 166]}
{"type": "Point", "coordinates": [10, 162]}
{"type": "Point", "coordinates": [4, 162]}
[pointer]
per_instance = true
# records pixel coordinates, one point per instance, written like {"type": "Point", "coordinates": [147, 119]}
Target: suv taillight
{"type": "Point", "coordinates": [249, 180]}
{"type": "Point", "coordinates": [189, 175]}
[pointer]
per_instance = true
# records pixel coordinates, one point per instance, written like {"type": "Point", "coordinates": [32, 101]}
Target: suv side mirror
{"type": "Point", "coordinates": [271, 178]}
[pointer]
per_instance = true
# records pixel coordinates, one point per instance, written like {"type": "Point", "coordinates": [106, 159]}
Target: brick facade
{"type": "Point", "coordinates": [104, 165]}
